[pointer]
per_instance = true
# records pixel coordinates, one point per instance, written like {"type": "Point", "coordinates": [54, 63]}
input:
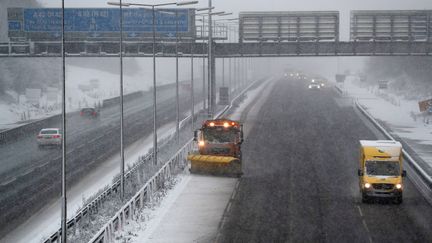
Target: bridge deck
{"type": "Point", "coordinates": [227, 50]}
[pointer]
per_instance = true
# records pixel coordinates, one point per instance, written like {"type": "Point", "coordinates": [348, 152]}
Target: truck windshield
{"type": "Point", "coordinates": [383, 168]}
{"type": "Point", "coordinates": [219, 135]}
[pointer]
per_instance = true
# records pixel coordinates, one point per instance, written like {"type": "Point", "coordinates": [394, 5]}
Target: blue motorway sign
{"type": "Point", "coordinates": [15, 25]}
{"type": "Point", "coordinates": [94, 22]}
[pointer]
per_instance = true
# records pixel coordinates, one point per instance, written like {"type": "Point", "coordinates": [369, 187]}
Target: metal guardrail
{"type": "Point", "coordinates": [107, 193]}
{"type": "Point", "coordinates": [138, 201]}
{"type": "Point", "coordinates": [423, 175]}
{"type": "Point", "coordinates": [34, 127]}
{"type": "Point", "coordinates": [144, 194]}
{"type": "Point", "coordinates": [115, 187]}
{"type": "Point", "coordinates": [338, 89]}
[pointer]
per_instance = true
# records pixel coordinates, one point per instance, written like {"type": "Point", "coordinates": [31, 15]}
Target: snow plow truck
{"type": "Point", "coordinates": [219, 149]}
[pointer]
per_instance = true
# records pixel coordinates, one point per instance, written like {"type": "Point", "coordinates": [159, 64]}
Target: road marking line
{"type": "Point", "coordinates": [360, 211]}
{"type": "Point", "coordinates": [8, 181]}
{"type": "Point", "coordinates": [226, 212]}
{"type": "Point", "coordinates": [364, 224]}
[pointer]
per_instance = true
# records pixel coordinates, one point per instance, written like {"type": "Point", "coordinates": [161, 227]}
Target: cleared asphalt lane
{"type": "Point", "coordinates": [300, 179]}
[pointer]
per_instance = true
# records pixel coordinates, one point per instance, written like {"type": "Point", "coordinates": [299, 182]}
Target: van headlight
{"type": "Point", "coordinates": [367, 185]}
{"type": "Point", "coordinates": [398, 186]}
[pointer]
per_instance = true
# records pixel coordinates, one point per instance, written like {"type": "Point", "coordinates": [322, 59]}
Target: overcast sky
{"type": "Point", "coordinates": [236, 6]}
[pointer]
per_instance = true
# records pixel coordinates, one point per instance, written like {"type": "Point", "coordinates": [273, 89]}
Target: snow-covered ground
{"type": "Point", "coordinates": [192, 209]}
{"type": "Point", "coordinates": [400, 115]}
{"type": "Point", "coordinates": [88, 87]}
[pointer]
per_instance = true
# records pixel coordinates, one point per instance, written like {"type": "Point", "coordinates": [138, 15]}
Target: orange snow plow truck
{"type": "Point", "coordinates": [219, 149]}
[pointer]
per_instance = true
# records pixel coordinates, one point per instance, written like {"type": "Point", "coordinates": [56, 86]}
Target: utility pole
{"type": "Point", "coordinates": [63, 182]}
{"type": "Point", "coordinates": [210, 62]}
{"type": "Point", "coordinates": [177, 85]}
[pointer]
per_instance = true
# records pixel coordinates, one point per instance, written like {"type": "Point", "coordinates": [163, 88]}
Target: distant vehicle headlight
{"type": "Point", "coordinates": [310, 86]}
{"type": "Point", "coordinates": [398, 186]}
{"type": "Point", "coordinates": [367, 185]}
{"type": "Point", "coordinates": [318, 86]}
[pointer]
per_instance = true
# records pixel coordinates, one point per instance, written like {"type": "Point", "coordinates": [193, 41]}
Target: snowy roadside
{"type": "Point", "coordinates": [190, 207]}
{"type": "Point", "coordinates": [85, 87]}
{"type": "Point", "coordinates": [46, 220]}
{"type": "Point", "coordinates": [401, 116]}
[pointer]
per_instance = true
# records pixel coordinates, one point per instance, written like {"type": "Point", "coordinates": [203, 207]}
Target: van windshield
{"type": "Point", "coordinates": [383, 168]}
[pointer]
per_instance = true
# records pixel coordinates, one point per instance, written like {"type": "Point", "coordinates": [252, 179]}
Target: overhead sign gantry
{"type": "Point", "coordinates": [44, 24]}
{"type": "Point", "coordinates": [289, 26]}
{"type": "Point", "coordinates": [261, 34]}
{"type": "Point", "coordinates": [391, 25]}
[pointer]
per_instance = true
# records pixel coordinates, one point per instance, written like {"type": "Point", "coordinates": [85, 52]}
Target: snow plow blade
{"type": "Point", "coordinates": [215, 165]}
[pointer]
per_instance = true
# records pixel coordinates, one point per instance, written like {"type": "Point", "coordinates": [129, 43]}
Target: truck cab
{"type": "Point", "coordinates": [381, 172]}
{"type": "Point", "coordinates": [219, 149]}
{"type": "Point", "coordinates": [220, 137]}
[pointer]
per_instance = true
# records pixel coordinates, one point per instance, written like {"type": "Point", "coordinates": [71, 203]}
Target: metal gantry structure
{"type": "Point", "coordinates": [260, 34]}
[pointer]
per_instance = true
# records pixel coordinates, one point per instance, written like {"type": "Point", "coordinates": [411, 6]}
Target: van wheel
{"type": "Point", "coordinates": [398, 200]}
{"type": "Point", "coordinates": [365, 198]}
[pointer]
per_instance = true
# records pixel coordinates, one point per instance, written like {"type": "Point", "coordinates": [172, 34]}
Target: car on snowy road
{"type": "Point", "coordinates": [49, 137]}
{"type": "Point", "coordinates": [89, 113]}
{"type": "Point", "coordinates": [314, 86]}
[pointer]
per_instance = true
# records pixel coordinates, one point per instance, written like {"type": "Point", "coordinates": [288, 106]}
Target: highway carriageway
{"type": "Point", "coordinates": [300, 181]}
{"type": "Point", "coordinates": [30, 177]}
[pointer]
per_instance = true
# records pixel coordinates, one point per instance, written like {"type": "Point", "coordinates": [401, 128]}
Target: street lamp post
{"type": "Point", "coordinates": [211, 61]}
{"type": "Point", "coordinates": [177, 84]}
{"type": "Point", "coordinates": [210, 57]}
{"type": "Point", "coordinates": [192, 76]}
{"type": "Point", "coordinates": [153, 6]}
{"type": "Point", "coordinates": [63, 182]}
{"type": "Point", "coordinates": [121, 107]}
{"type": "Point", "coordinates": [154, 157]}
{"type": "Point", "coordinates": [203, 63]}
{"type": "Point", "coordinates": [226, 27]}
{"type": "Point", "coordinates": [192, 86]}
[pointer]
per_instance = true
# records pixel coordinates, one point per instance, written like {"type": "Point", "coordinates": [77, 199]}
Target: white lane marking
{"type": "Point", "coordinates": [360, 211]}
{"type": "Point", "coordinates": [365, 224]}
{"type": "Point", "coordinates": [8, 181]}
{"type": "Point", "coordinates": [226, 212]}
{"type": "Point", "coordinates": [367, 229]}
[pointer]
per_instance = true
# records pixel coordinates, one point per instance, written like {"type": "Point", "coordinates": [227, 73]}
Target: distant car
{"type": "Point", "coordinates": [49, 137]}
{"type": "Point", "coordinates": [89, 113]}
{"type": "Point", "coordinates": [314, 86]}
{"type": "Point", "coordinates": [323, 83]}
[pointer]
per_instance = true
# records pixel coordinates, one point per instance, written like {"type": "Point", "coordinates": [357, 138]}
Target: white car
{"type": "Point", "coordinates": [314, 86]}
{"type": "Point", "coordinates": [49, 137]}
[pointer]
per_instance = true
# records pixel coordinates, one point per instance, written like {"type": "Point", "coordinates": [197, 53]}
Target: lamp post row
{"type": "Point", "coordinates": [211, 86]}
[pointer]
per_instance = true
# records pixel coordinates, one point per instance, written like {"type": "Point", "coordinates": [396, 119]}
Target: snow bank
{"type": "Point", "coordinates": [400, 115]}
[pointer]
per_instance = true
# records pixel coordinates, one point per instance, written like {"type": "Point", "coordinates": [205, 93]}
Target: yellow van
{"type": "Point", "coordinates": [381, 170]}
